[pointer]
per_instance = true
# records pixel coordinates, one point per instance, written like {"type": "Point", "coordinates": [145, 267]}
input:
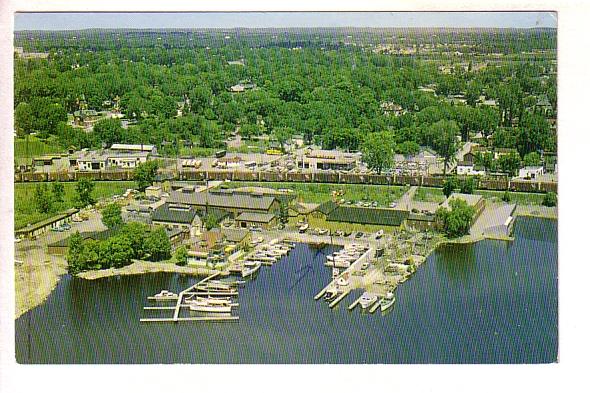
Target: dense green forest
{"type": "Point", "coordinates": [326, 84]}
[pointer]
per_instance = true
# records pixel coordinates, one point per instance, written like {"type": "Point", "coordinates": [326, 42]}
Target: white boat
{"type": "Point", "coordinates": [209, 305]}
{"type": "Point", "coordinates": [250, 267]}
{"type": "Point", "coordinates": [217, 285]}
{"type": "Point", "coordinates": [367, 299]}
{"type": "Point", "coordinates": [303, 228]}
{"type": "Point", "coordinates": [379, 234]}
{"type": "Point", "coordinates": [387, 301]}
{"type": "Point", "coordinates": [165, 295]}
{"type": "Point", "coordinates": [335, 273]}
{"type": "Point", "coordinates": [342, 282]}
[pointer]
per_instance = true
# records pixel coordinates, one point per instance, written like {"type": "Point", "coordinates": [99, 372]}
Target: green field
{"type": "Point", "coordinates": [24, 206]}
{"type": "Point", "coordinates": [36, 147]}
{"type": "Point", "coordinates": [318, 193]}
{"type": "Point", "coordinates": [522, 198]}
{"type": "Point", "coordinates": [431, 194]}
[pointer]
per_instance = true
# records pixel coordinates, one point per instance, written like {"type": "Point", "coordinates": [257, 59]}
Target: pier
{"type": "Point", "coordinates": [197, 289]}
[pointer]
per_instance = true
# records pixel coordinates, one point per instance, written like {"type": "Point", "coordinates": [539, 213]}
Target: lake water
{"type": "Point", "coordinates": [489, 302]}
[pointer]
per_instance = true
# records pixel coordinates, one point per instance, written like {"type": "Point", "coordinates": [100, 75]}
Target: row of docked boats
{"type": "Point", "coordinates": [371, 301]}
{"type": "Point", "coordinates": [266, 254]}
{"type": "Point", "coordinates": [346, 256]}
{"type": "Point", "coordinates": [210, 304]}
{"type": "Point", "coordinates": [213, 296]}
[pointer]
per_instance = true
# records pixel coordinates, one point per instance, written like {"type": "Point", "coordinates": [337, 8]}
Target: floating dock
{"type": "Point", "coordinates": [339, 298]}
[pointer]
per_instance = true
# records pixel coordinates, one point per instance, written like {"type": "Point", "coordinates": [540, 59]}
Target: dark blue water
{"type": "Point", "coordinates": [489, 302]}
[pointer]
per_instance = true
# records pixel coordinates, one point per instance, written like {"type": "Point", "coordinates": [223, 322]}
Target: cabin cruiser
{"type": "Point", "coordinates": [303, 228]}
{"type": "Point", "coordinates": [342, 282]}
{"type": "Point", "coordinates": [250, 267]}
{"type": "Point", "coordinates": [165, 295]}
{"type": "Point", "coordinates": [387, 301]}
{"type": "Point", "coordinates": [367, 299]}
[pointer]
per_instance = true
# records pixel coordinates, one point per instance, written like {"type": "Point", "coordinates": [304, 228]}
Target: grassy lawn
{"type": "Point", "coordinates": [36, 147]}
{"type": "Point", "coordinates": [522, 198]}
{"type": "Point", "coordinates": [198, 151]}
{"type": "Point", "coordinates": [24, 206]}
{"type": "Point", "coordinates": [429, 194]}
{"type": "Point", "coordinates": [318, 192]}
{"type": "Point", "coordinates": [343, 226]}
{"type": "Point", "coordinates": [249, 146]}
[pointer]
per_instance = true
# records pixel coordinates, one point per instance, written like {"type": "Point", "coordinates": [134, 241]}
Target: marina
{"type": "Point", "coordinates": [281, 298]}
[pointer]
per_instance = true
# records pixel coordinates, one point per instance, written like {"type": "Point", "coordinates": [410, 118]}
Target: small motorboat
{"type": "Point", "coordinates": [367, 299]}
{"type": "Point", "coordinates": [379, 234]}
{"type": "Point", "coordinates": [387, 301]}
{"type": "Point", "coordinates": [250, 267]}
{"type": "Point", "coordinates": [165, 295]}
{"type": "Point", "coordinates": [342, 282]}
{"type": "Point", "coordinates": [331, 294]}
{"type": "Point", "coordinates": [303, 228]}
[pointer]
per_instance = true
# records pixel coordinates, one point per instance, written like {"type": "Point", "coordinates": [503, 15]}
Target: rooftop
{"type": "Point", "coordinates": [222, 199]}
{"type": "Point", "coordinates": [256, 217]}
{"type": "Point", "coordinates": [174, 214]}
{"type": "Point", "coordinates": [364, 215]}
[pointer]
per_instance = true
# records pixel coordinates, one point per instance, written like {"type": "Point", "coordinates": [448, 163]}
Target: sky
{"type": "Point", "coordinates": [73, 21]}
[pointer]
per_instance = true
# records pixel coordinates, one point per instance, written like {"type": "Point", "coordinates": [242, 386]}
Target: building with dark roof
{"type": "Point", "coordinates": [367, 215]}
{"type": "Point", "coordinates": [254, 219]}
{"type": "Point", "coordinates": [174, 216]}
{"type": "Point", "coordinates": [43, 226]}
{"type": "Point", "coordinates": [226, 200]}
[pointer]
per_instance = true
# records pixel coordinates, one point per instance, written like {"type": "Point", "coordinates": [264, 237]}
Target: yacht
{"type": "Point", "coordinates": [342, 282]}
{"type": "Point", "coordinates": [210, 305]}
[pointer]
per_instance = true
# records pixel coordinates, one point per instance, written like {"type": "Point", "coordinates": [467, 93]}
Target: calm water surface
{"type": "Point", "coordinates": [489, 302]}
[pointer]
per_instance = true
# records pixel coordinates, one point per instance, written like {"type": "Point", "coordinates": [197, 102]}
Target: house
{"type": "Point", "coordinates": [530, 172]}
{"type": "Point", "coordinates": [153, 192]}
{"type": "Point", "coordinates": [226, 201]}
{"type": "Point", "coordinates": [129, 148]}
{"type": "Point", "coordinates": [177, 216]}
{"type": "Point", "coordinates": [238, 237]}
{"type": "Point", "coordinates": [475, 201]}
{"type": "Point", "coordinates": [34, 230]}
{"type": "Point", "coordinates": [327, 160]}
{"type": "Point", "coordinates": [98, 160]}
{"type": "Point", "coordinates": [50, 163]}
{"type": "Point", "coordinates": [467, 168]}
{"type": "Point", "coordinates": [253, 219]}
{"type": "Point", "coordinates": [389, 107]}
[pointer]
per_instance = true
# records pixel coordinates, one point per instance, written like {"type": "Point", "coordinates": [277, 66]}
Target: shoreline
{"type": "Point", "coordinates": [34, 283]}
{"type": "Point", "coordinates": [143, 267]}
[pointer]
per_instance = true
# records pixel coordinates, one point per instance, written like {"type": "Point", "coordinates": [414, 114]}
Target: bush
{"type": "Point", "coordinates": [550, 199]}
{"type": "Point", "coordinates": [181, 256]}
{"type": "Point", "coordinates": [457, 221]}
{"type": "Point", "coordinates": [506, 196]}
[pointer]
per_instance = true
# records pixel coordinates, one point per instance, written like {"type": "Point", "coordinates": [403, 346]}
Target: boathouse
{"type": "Point", "coordinates": [34, 230]}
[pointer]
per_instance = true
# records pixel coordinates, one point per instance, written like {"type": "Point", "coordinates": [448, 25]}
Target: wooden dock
{"type": "Point", "coordinates": [194, 291]}
{"type": "Point", "coordinates": [339, 298]}
{"type": "Point", "coordinates": [375, 306]}
{"type": "Point", "coordinates": [195, 319]}
{"type": "Point", "coordinates": [354, 304]}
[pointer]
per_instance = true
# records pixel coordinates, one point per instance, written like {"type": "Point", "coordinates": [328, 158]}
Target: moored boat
{"type": "Point", "coordinates": [250, 267]}
{"type": "Point", "coordinates": [367, 299]}
{"type": "Point", "coordinates": [165, 295]}
{"type": "Point", "coordinates": [387, 301]}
